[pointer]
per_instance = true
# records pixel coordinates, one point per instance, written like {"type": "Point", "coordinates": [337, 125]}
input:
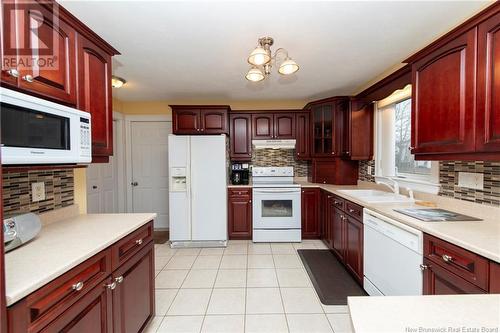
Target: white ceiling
{"type": "Point", "coordinates": [198, 50]}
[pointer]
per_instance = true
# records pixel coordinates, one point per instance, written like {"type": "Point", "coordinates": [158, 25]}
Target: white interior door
{"type": "Point", "coordinates": [102, 185]}
{"type": "Point", "coordinates": [149, 160]}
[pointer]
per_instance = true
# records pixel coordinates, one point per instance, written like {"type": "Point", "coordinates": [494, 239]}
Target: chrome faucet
{"type": "Point", "coordinates": [395, 186]}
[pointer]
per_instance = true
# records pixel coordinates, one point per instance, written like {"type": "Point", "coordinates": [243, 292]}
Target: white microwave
{"type": "Point", "coordinates": [37, 131]}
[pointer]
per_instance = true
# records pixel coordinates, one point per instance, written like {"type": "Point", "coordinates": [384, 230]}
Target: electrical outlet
{"type": "Point", "coordinates": [471, 180]}
{"type": "Point", "coordinates": [37, 191]}
{"type": "Point", "coordinates": [369, 169]}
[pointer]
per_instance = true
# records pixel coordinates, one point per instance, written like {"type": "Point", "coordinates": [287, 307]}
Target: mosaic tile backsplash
{"type": "Point", "coordinates": [280, 158]}
{"type": "Point", "coordinates": [59, 191]}
{"type": "Point", "coordinates": [448, 180]}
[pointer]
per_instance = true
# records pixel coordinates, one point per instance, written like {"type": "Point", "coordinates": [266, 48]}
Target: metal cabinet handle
{"type": "Point", "coordinates": [77, 286]}
{"type": "Point", "coordinates": [351, 210]}
{"type": "Point", "coordinates": [423, 267]}
{"type": "Point", "coordinates": [447, 258]}
{"type": "Point", "coordinates": [111, 286]}
{"type": "Point", "coordinates": [119, 279]}
{"type": "Point", "coordinates": [250, 201]}
{"type": "Point", "coordinates": [329, 196]}
{"type": "Point", "coordinates": [138, 242]}
{"type": "Point", "coordinates": [28, 78]}
{"type": "Point", "coordinates": [134, 183]}
{"type": "Point", "coordinates": [13, 72]}
{"type": "Point", "coordinates": [94, 187]}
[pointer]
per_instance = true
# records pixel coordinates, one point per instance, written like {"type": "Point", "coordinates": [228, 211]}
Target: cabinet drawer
{"type": "Point", "coordinates": [50, 301]}
{"type": "Point", "coordinates": [338, 202]}
{"type": "Point", "coordinates": [354, 210]}
{"type": "Point", "coordinates": [467, 265]}
{"type": "Point", "coordinates": [131, 244]}
{"type": "Point", "coordinates": [240, 192]}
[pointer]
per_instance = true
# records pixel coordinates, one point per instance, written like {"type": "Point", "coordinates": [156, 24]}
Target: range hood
{"type": "Point", "coordinates": [273, 144]}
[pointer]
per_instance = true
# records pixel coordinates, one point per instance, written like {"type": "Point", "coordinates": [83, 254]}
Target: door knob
{"type": "Point", "coordinates": [134, 183]}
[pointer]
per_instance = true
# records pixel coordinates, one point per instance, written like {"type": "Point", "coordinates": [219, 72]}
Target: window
{"type": "Point", "coordinates": [405, 163]}
{"type": "Point", "coordinates": [393, 139]}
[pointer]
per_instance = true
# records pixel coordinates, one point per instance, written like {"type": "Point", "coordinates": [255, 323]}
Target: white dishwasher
{"type": "Point", "coordinates": [392, 256]}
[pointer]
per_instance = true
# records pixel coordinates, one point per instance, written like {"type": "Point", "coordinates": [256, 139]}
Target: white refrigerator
{"type": "Point", "coordinates": [197, 190]}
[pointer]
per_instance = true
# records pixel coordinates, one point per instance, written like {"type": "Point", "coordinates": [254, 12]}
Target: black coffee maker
{"type": "Point", "coordinates": [240, 174]}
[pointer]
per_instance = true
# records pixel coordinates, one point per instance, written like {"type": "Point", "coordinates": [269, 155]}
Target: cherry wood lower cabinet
{"type": "Point", "coordinates": [439, 281]}
{"type": "Point", "coordinates": [342, 231]}
{"type": "Point", "coordinates": [240, 213]}
{"type": "Point", "coordinates": [450, 269]}
{"type": "Point", "coordinates": [310, 201]}
{"type": "Point", "coordinates": [94, 297]}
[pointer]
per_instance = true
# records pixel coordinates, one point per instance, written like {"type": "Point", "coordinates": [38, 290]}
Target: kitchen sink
{"type": "Point", "coordinates": [376, 196]}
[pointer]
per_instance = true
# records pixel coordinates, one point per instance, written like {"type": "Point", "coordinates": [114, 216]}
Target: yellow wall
{"type": "Point", "coordinates": [80, 179]}
{"type": "Point", "coordinates": [162, 107]}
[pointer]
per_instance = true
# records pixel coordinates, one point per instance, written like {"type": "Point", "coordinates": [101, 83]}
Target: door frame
{"type": "Point", "coordinates": [129, 119]}
{"type": "Point", "coordinates": [119, 156]}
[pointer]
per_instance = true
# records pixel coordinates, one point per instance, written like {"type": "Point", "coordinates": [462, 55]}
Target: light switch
{"type": "Point", "coordinates": [37, 191]}
{"type": "Point", "coordinates": [471, 180]}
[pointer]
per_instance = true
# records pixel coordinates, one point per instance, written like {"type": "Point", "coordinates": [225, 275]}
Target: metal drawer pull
{"type": "Point", "coordinates": [351, 210]}
{"type": "Point", "coordinates": [13, 72]}
{"type": "Point", "coordinates": [111, 286]}
{"type": "Point", "coordinates": [447, 258]}
{"type": "Point", "coordinates": [77, 286]}
{"type": "Point", "coordinates": [119, 279]}
{"type": "Point", "coordinates": [28, 78]}
{"type": "Point", "coordinates": [337, 202]}
{"type": "Point", "coordinates": [138, 242]}
{"type": "Point", "coordinates": [423, 267]}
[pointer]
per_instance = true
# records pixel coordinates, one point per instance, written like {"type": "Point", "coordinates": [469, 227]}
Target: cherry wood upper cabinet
{"type": "Point", "coordinates": [327, 117]}
{"type": "Point", "coordinates": [56, 81]}
{"type": "Point", "coordinates": [262, 126]}
{"type": "Point", "coordinates": [494, 287]}
{"type": "Point", "coordinates": [8, 55]}
{"type": "Point", "coordinates": [357, 138]}
{"type": "Point", "coordinates": [186, 121]}
{"type": "Point", "coordinates": [43, 36]}
{"type": "Point", "coordinates": [94, 94]}
{"type": "Point", "coordinates": [284, 126]}
{"type": "Point", "coordinates": [310, 213]}
{"type": "Point", "coordinates": [444, 98]}
{"type": "Point", "coordinates": [3, 311]}
{"type": "Point", "coordinates": [488, 86]}
{"type": "Point", "coordinates": [455, 85]}
{"type": "Point", "coordinates": [240, 129]}
{"type": "Point", "coordinates": [200, 119]}
{"type": "Point", "coordinates": [214, 121]}
{"type": "Point", "coordinates": [302, 134]}
{"type": "Point", "coordinates": [240, 213]}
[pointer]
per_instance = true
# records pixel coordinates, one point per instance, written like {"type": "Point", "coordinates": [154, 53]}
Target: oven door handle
{"type": "Point", "coordinates": [276, 191]}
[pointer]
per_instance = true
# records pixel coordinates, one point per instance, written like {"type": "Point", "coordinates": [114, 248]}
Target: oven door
{"type": "Point", "coordinates": [276, 208]}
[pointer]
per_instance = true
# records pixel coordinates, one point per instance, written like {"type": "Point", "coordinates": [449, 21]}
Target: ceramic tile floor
{"type": "Point", "coordinates": [246, 287]}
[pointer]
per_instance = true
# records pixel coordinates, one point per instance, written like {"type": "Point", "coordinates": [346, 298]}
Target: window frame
{"type": "Point", "coordinates": [423, 183]}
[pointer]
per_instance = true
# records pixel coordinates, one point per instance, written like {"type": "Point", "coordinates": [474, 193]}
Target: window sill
{"type": "Point", "coordinates": [414, 184]}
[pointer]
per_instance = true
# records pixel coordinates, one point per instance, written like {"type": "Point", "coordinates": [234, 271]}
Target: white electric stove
{"type": "Point", "coordinates": [276, 205]}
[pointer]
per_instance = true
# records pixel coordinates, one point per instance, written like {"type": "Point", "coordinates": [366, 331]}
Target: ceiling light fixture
{"type": "Point", "coordinates": [117, 82]}
{"type": "Point", "coordinates": [261, 61]}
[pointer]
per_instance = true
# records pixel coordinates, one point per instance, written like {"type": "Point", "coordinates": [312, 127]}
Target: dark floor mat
{"type": "Point", "coordinates": [329, 277]}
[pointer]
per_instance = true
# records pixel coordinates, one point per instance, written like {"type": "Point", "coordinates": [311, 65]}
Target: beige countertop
{"type": "Point", "coordinates": [481, 237]}
{"type": "Point", "coordinates": [403, 314]}
{"type": "Point", "coordinates": [63, 245]}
